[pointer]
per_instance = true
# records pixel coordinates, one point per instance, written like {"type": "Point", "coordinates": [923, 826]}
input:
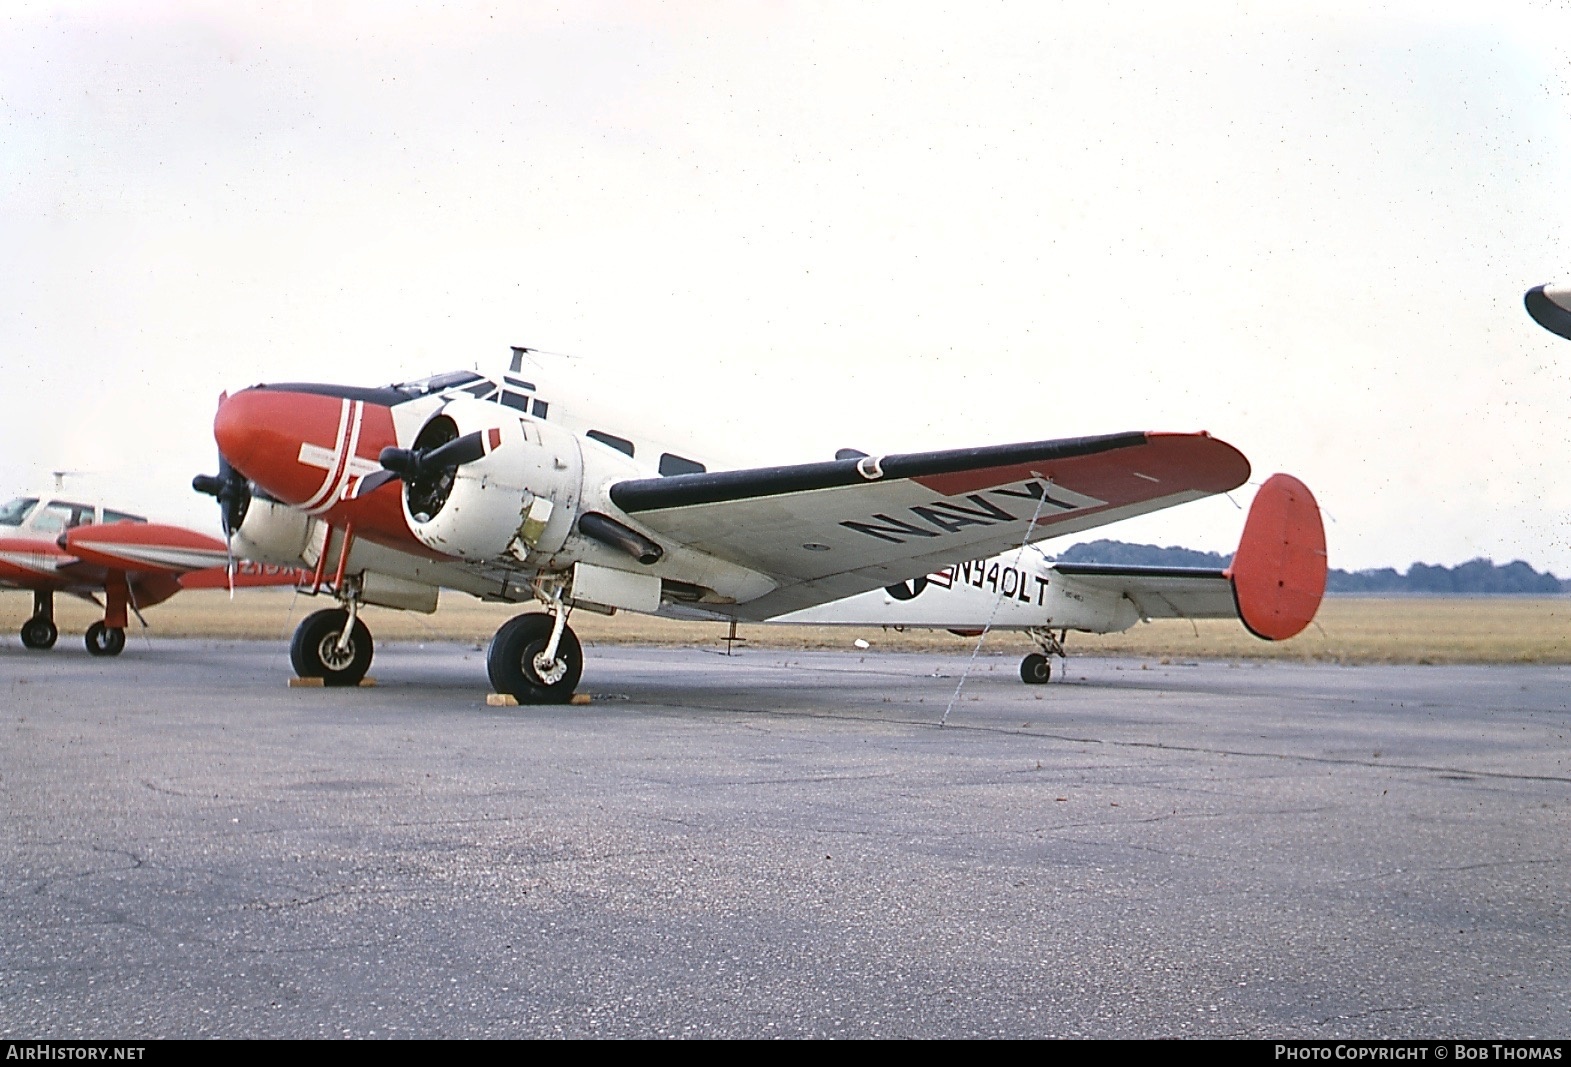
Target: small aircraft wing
{"type": "Point", "coordinates": [823, 531]}
{"type": "Point", "coordinates": [160, 560]}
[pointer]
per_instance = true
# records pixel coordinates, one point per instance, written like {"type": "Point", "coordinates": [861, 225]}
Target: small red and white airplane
{"type": "Point", "coordinates": [489, 486]}
{"type": "Point", "coordinates": [49, 545]}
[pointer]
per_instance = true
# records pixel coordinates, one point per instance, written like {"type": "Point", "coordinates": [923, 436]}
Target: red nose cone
{"type": "Point", "coordinates": [303, 448]}
{"type": "Point", "coordinates": [240, 427]}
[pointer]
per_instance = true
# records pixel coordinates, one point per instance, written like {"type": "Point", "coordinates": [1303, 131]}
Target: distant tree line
{"type": "Point", "coordinates": [1475, 577]}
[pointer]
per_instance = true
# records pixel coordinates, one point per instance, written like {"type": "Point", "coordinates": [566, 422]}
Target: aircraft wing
{"type": "Point", "coordinates": [824, 531]}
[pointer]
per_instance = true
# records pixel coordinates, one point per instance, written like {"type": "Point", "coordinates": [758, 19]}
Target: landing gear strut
{"type": "Point", "coordinates": [39, 631]}
{"type": "Point", "coordinates": [1036, 668]}
{"type": "Point", "coordinates": [536, 658]}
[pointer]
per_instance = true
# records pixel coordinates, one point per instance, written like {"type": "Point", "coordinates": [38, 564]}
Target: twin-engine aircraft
{"type": "Point", "coordinates": [485, 485]}
{"type": "Point", "coordinates": [52, 545]}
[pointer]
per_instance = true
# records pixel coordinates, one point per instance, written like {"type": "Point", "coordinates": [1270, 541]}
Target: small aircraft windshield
{"type": "Point", "coordinates": [15, 513]}
{"type": "Point", "coordinates": [437, 382]}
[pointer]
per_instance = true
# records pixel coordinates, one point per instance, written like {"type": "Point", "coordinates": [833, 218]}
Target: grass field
{"type": "Point", "coordinates": [1348, 629]}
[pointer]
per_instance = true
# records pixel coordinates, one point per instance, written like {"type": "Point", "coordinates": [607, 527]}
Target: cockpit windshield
{"type": "Point", "coordinates": [15, 513]}
{"type": "Point", "coordinates": [438, 382]}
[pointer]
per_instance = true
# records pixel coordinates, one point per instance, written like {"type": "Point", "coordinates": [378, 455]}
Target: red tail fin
{"type": "Point", "coordinates": [1279, 571]}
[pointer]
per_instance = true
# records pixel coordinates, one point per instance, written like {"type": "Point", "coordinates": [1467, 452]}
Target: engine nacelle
{"type": "Point", "coordinates": [518, 500]}
{"type": "Point", "coordinates": [273, 533]}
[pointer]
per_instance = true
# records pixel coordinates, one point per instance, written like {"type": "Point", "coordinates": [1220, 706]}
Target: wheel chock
{"type": "Point", "coordinates": [317, 683]}
{"type": "Point", "coordinates": [508, 700]}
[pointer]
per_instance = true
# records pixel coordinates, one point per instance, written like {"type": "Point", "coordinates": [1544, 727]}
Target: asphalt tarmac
{"type": "Point", "coordinates": [780, 844]}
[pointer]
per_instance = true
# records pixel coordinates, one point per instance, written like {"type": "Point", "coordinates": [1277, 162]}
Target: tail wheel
{"type": "Point", "coordinates": [516, 666]}
{"type": "Point", "coordinates": [1035, 669]}
{"type": "Point", "coordinates": [39, 633]}
{"type": "Point", "coordinates": [315, 651]}
{"type": "Point", "coordinates": [104, 640]}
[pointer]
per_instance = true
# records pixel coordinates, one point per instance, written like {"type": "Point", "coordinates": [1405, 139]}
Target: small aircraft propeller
{"type": "Point", "coordinates": [233, 493]}
{"type": "Point", "coordinates": [415, 465]}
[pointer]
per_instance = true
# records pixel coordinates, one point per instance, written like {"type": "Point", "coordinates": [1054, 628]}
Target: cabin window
{"type": "Point", "coordinates": [15, 513]}
{"type": "Point", "coordinates": [621, 444]}
{"type": "Point", "coordinates": [672, 464]}
{"type": "Point", "coordinates": [121, 516]}
{"type": "Point", "coordinates": [60, 516]}
{"type": "Point", "coordinates": [437, 382]}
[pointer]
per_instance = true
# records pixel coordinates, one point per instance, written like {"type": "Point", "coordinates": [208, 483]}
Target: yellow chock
{"type": "Point", "coordinates": [508, 700]}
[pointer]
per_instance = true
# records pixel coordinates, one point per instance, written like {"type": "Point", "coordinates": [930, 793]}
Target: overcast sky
{"type": "Point", "coordinates": [784, 228]}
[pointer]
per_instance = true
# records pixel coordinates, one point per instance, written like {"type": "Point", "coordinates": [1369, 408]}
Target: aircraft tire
{"type": "Point", "coordinates": [314, 651]}
{"type": "Point", "coordinates": [1035, 669]}
{"type": "Point", "coordinates": [39, 633]}
{"type": "Point", "coordinates": [104, 640]}
{"type": "Point", "coordinates": [510, 661]}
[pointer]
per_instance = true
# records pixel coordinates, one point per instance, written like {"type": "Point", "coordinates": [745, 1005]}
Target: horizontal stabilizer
{"type": "Point", "coordinates": [1279, 570]}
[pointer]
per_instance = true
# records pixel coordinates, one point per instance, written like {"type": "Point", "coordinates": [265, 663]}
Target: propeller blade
{"type": "Point", "coordinates": [230, 488]}
{"type": "Point", "coordinates": [456, 453]}
{"type": "Point", "coordinates": [373, 481]}
{"type": "Point", "coordinates": [409, 463]}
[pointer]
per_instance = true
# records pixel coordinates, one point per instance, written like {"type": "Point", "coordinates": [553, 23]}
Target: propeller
{"type": "Point", "coordinates": [233, 493]}
{"type": "Point", "coordinates": [420, 466]}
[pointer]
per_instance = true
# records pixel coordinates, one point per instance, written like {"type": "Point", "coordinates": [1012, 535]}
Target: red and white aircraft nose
{"type": "Point", "coordinates": [305, 448]}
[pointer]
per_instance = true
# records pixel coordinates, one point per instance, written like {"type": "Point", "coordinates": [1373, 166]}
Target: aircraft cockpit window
{"type": "Point", "coordinates": [121, 516]}
{"type": "Point", "coordinates": [671, 464]}
{"type": "Point", "coordinates": [482, 391]}
{"type": "Point", "coordinates": [15, 513]}
{"type": "Point", "coordinates": [540, 408]}
{"type": "Point", "coordinates": [438, 382]}
{"type": "Point", "coordinates": [515, 400]}
{"type": "Point", "coordinates": [59, 516]}
{"type": "Point", "coordinates": [621, 444]}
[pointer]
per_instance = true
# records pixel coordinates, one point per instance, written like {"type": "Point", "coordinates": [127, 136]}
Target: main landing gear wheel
{"type": "Point", "coordinates": [315, 652]}
{"type": "Point", "coordinates": [515, 665]}
{"type": "Point", "coordinates": [104, 640]}
{"type": "Point", "coordinates": [39, 633]}
{"type": "Point", "coordinates": [1035, 669]}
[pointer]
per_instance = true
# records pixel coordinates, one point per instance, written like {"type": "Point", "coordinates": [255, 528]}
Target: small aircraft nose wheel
{"type": "Point", "coordinates": [516, 665]}
{"type": "Point", "coordinates": [104, 640]}
{"type": "Point", "coordinates": [315, 653]}
{"type": "Point", "coordinates": [1035, 669]}
{"type": "Point", "coordinates": [39, 633]}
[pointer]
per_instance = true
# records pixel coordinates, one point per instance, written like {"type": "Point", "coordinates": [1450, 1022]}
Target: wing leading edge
{"type": "Point", "coordinates": [825, 531]}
